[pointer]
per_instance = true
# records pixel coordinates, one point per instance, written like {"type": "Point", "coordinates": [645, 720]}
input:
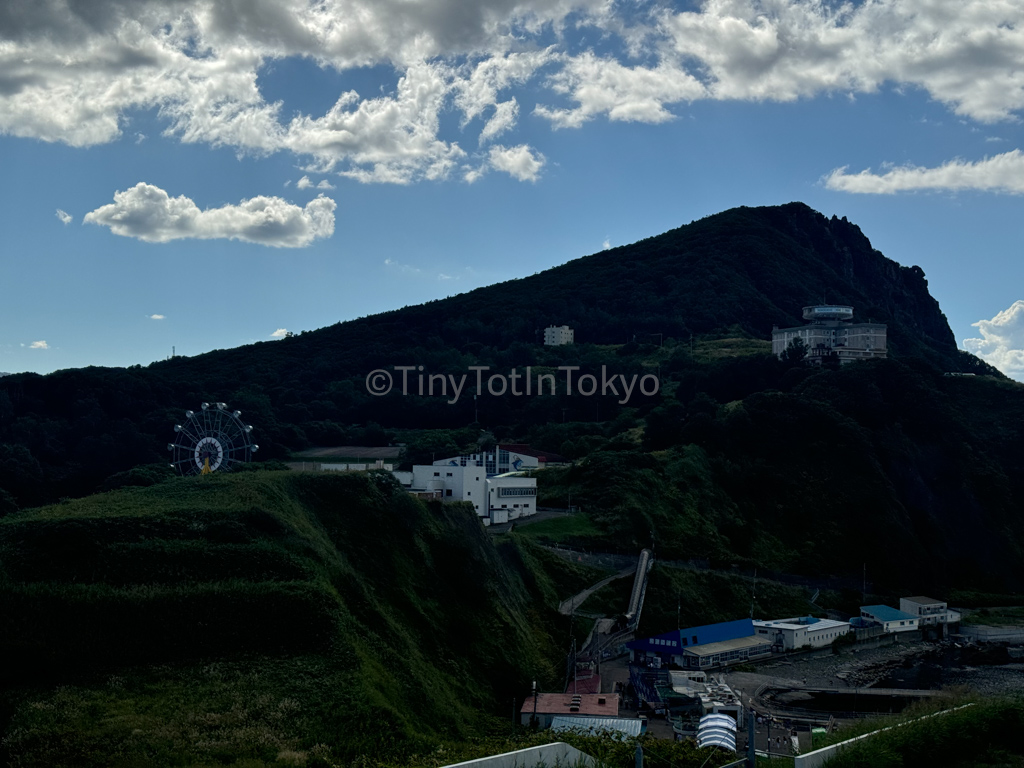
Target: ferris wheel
{"type": "Point", "coordinates": [213, 440]}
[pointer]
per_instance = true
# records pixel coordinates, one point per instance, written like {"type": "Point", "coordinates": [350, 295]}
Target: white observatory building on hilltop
{"type": "Point", "coordinates": [831, 331]}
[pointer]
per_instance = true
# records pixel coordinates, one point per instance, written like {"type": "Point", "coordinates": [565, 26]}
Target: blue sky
{"type": "Point", "coordinates": [204, 175]}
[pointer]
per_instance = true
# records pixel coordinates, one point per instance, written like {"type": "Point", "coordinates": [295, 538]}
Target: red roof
{"type": "Point", "coordinates": [526, 450]}
{"type": "Point", "coordinates": [590, 704]}
{"type": "Point", "coordinates": [589, 684]}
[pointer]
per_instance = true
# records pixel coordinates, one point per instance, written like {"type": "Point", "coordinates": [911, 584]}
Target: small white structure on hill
{"type": "Point", "coordinates": [558, 335]}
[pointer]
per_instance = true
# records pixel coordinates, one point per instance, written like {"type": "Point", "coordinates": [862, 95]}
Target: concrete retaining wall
{"type": "Point", "coordinates": [549, 755]}
{"type": "Point", "coordinates": [820, 756]}
{"type": "Point", "coordinates": [981, 633]}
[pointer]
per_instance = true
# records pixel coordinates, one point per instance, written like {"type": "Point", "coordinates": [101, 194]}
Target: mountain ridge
{"type": "Point", "coordinates": [736, 273]}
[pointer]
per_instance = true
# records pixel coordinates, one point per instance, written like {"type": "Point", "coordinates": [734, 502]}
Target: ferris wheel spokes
{"type": "Point", "coordinates": [215, 439]}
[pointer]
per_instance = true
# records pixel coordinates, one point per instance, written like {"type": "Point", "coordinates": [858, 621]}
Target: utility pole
{"type": "Point", "coordinates": [751, 740]}
{"type": "Point", "coordinates": [753, 594]}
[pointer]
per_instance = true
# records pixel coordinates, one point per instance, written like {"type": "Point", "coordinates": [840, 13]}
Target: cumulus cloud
{"type": "Point", "coordinates": [386, 138]}
{"type": "Point", "coordinates": [157, 317]}
{"type": "Point", "coordinates": [38, 345]}
{"type": "Point", "coordinates": [149, 213]}
{"type": "Point", "coordinates": [65, 217]}
{"type": "Point", "coordinates": [280, 333]}
{"type": "Point", "coordinates": [519, 162]}
{"type": "Point", "coordinates": [303, 183]}
{"type": "Point", "coordinates": [1002, 173]}
{"type": "Point", "coordinates": [1002, 341]}
{"type": "Point", "coordinates": [632, 94]}
{"type": "Point", "coordinates": [73, 72]}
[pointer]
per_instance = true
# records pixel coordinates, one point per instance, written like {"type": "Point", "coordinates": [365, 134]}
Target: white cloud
{"type": "Point", "coordinates": [383, 139]}
{"type": "Point", "coordinates": [149, 213]}
{"type": "Point", "coordinates": [963, 53]}
{"type": "Point", "coordinates": [472, 174]}
{"type": "Point", "coordinates": [1001, 173]}
{"type": "Point", "coordinates": [632, 94]}
{"type": "Point", "coordinates": [303, 183]}
{"type": "Point", "coordinates": [75, 72]}
{"type": "Point", "coordinates": [38, 345]}
{"type": "Point", "coordinates": [606, 244]}
{"type": "Point", "coordinates": [503, 119]}
{"type": "Point", "coordinates": [157, 317]}
{"type": "Point", "coordinates": [1002, 341]}
{"type": "Point", "coordinates": [65, 217]}
{"type": "Point", "coordinates": [280, 333]}
{"type": "Point", "coordinates": [325, 184]}
{"type": "Point", "coordinates": [405, 268]}
{"type": "Point", "coordinates": [519, 162]}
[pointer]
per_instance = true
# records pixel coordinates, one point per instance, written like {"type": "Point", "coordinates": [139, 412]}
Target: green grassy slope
{"type": "Point", "coordinates": [159, 624]}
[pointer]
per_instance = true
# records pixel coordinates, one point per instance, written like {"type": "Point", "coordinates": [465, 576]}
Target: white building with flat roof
{"type": "Point", "coordinates": [929, 610]}
{"type": "Point", "coordinates": [558, 335]}
{"type": "Point", "coordinates": [800, 632]}
{"type": "Point", "coordinates": [495, 498]}
{"type": "Point", "coordinates": [831, 332]}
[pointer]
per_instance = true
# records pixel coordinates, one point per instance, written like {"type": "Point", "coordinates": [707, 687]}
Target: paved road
{"type": "Point", "coordinates": [574, 602]}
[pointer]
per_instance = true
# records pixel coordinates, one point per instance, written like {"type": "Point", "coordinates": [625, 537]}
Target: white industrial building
{"type": "Point", "coordinates": [800, 632]}
{"type": "Point", "coordinates": [831, 331]}
{"type": "Point", "coordinates": [490, 481]}
{"type": "Point", "coordinates": [558, 335]}
{"type": "Point", "coordinates": [496, 498]}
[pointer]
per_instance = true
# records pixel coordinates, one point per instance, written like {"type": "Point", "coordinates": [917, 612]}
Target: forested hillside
{"type": "Point", "coordinates": [738, 458]}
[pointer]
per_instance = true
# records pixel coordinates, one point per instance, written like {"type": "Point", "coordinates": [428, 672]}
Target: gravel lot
{"type": "Point", "coordinates": [912, 665]}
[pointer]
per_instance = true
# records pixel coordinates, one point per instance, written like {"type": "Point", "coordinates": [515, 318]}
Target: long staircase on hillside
{"type": "Point", "coordinates": [636, 598]}
{"type": "Point", "coordinates": [599, 642]}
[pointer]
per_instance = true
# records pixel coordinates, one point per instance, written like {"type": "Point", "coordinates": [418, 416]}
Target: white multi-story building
{"type": "Point", "coordinates": [929, 611]}
{"type": "Point", "coordinates": [496, 498]}
{"type": "Point", "coordinates": [557, 335]}
{"type": "Point", "coordinates": [831, 331]}
{"type": "Point", "coordinates": [802, 631]}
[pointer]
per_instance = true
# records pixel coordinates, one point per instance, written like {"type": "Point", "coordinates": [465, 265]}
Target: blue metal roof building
{"type": "Point", "coordinates": [673, 643]}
